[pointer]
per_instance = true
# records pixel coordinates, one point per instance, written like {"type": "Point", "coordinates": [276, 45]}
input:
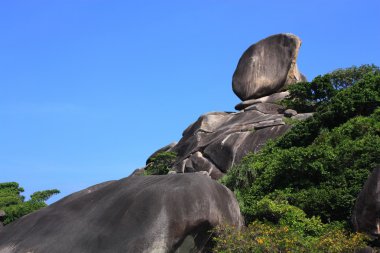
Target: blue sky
{"type": "Point", "coordinates": [90, 88]}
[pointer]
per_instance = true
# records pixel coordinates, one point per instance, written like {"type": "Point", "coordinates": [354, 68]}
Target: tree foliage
{"type": "Point", "coordinates": [321, 164]}
{"type": "Point", "coordinates": [261, 237]}
{"type": "Point", "coordinates": [160, 164]}
{"type": "Point", "coordinates": [308, 96]}
{"type": "Point", "coordinates": [280, 227]}
{"type": "Point", "coordinates": [14, 204]}
{"type": "Point", "coordinates": [301, 187]}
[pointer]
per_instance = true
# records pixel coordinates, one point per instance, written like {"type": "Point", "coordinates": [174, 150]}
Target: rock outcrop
{"type": "Point", "coordinates": [175, 212]}
{"type": "Point", "coordinates": [267, 67]}
{"type": "Point", "coordinates": [218, 140]}
{"type": "Point", "coordinates": [366, 213]}
{"type": "Point", "coordinates": [171, 213]}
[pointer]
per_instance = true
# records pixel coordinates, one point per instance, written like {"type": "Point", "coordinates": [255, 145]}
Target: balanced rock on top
{"type": "Point", "coordinates": [267, 67]}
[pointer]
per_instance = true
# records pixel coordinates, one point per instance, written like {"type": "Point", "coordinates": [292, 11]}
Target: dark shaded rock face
{"type": "Point", "coordinates": [170, 213]}
{"type": "Point", "coordinates": [218, 140]}
{"type": "Point", "coordinates": [366, 250]}
{"type": "Point", "coordinates": [366, 214]}
{"type": "Point", "coordinates": [2, 215]}
{"type": "Point", "coordinates": [267, 67]}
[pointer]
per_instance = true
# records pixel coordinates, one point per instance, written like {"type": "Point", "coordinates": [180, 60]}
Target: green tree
{"type": "Point", "coordinates": [14, 204]}
{"type": "Point", "coordinates": [281, 227]}
{"type": "Point", "coordinates": [160, 164]}
{"type": "Point", "coordinates": [321, 164]}
{"type": "Point", "coordinates": [308, 96]}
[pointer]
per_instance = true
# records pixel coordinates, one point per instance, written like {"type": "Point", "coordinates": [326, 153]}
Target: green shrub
{"type": "Point", "coordinates": [281, 213]}
{"type": "Point", "coordinates": [261, 237]}
{"type": "Point", "coordinates": [323, 178]}
{"type": "Point", "coordinates": [308, 96]}
{"type": "Point", "coordinates": [12, 202]}
{"type": "Point", "coordinates": [359, 99]}
{"type": "Point", "coordinates": [160, 164]}
{"type": "Point", "coordinates": [321, 164]}
{"type": "Point", "coordinates": [281, 227]}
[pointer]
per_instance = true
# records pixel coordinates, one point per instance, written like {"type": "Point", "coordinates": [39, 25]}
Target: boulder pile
{"type": "Point", "coordinates": [219, 140]}
{"type": "Point", "coordinates": [175, 212]}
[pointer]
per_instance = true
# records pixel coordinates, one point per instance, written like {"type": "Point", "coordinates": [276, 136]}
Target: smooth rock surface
{"type": "Point", "coordinates": [274, 98]}
{"type": "Point", "coordinates": [290, 113]}
{"type": "Point", "coordinates": [267, 67]}
{"type": "Point", "coordinates": [170, 213]}
{"type": "Point", "coordinates": [269, 123]}
{"type": "Point", "coordinates": [302, 116]}
{"type": "Point", "coordinates": [366, 213]}
{"type": "Point", "coordinates": [267, 108]}
{"type": "Point", "coordinates": [231, 148]}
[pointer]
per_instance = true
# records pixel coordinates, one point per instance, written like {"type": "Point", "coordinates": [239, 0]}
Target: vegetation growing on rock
{"type": "Point", "coordinates": [160, 164]}
{"type": "Point", "coordinates": [319, 166]}
{"type": "Point", "coordinates": [14, 204]}
{"type": "Point", "coordinates": [261, 237]}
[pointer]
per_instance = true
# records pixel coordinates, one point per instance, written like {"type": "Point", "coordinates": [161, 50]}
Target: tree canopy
{"type": "Point", "coordinates": [316, 169]}
{"type": "Point", "coordinates": [14, 204]}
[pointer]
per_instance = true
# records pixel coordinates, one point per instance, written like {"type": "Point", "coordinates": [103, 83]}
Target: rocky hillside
{"type": "Point", "coordinates": [219, 140]}
{"type": "Point", "coordinates": [175, 209]}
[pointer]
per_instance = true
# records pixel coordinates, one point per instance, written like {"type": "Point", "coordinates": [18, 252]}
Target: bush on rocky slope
{"type": "Point", "coordinates": [12, 202]}
{"type": "Point", "coordinates": [308, 96]}
{"type": "Point", "coordinates": [260, 237]}
{"type": "Point", "coordinates": [160, 164]}
{"type": "Point", "coordinates": [319, 166]}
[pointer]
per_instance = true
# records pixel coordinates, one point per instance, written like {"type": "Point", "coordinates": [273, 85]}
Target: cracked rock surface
{"type": "Point", "coordinates": [219, 140]}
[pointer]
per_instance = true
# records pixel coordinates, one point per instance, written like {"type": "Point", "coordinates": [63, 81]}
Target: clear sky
{"type": "Point", "coordinates": [90, 88]}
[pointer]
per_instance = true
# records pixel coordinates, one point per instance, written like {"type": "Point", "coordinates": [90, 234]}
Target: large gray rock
{"type": "Point", "coordinates": [171, 213]}
{"type": "Point", "coordinates": [366, 213]}
{"type": "Point", "coordinates": [290, 113]}
{"type": "Point", "coordinates": [267, 67]}
{"type": "Point", "coordinates": [217, 141]}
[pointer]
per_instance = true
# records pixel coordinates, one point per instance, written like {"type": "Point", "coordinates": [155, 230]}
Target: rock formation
{"type": "Point", "coordinates": [366, 213]}
{"type": "Point", "coordinates": [171, 213]}
{"type": "Point", "coordinates": [267, 67]}
{"type": "Point", "coordinates": [219, 140]}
